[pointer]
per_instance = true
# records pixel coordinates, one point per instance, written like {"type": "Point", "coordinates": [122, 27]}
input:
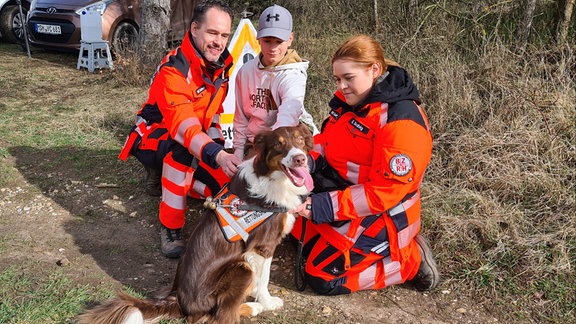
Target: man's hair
{"type": "Point", "coordinates": [200, 10]}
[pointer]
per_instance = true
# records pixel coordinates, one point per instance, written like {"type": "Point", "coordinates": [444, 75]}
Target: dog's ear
{"type": "Point", "coordinates": [308, 137]}
{"type": "Point", "coordinates": [260, 147]}
{"type": "Point", "coordinates": [260, 141]}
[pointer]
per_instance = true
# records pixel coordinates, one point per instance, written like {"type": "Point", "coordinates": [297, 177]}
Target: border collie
{"type": "Point", "coordinates": [216, 275]}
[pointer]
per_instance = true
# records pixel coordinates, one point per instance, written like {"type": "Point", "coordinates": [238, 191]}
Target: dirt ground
{"type": "Point", "coordinates": [95, 224]}
{"type": "Point", "coordinates": [117, 243]}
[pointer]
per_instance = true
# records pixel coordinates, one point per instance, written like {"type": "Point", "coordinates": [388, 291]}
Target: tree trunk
{"type": "Point", "coordinates": [525, 24]}
{"type": "Point", "coordinates": [180, 18]}
{"type": "Point", "coordinates": [154, 31]}
{"type": "Point", "coordinates": [564, 17]}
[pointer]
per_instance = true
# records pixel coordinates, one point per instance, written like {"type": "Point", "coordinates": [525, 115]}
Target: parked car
{"type": "Point", "coordinates": [55, 24]}
{"type": "Point", "coordinates": [11, 22]}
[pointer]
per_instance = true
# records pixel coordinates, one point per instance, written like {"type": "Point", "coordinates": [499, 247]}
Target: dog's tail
{"type": "Point", "coordinates": [125, 309]}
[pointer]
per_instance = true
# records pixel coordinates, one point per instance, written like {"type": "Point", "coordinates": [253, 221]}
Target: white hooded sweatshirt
{"type": "Point", "coordinates": [269, 97]}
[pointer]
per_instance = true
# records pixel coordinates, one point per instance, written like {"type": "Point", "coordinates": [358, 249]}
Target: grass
{"type": "Point", "coordinates": [499, 199]}
{"type": "Point", "coordinates": [54, 299]}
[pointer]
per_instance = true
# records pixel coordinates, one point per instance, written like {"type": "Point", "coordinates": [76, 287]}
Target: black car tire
{"type": "Point", "coordinates": [124, 38]}
{"type": "Point", "coordinates": [12, 24]}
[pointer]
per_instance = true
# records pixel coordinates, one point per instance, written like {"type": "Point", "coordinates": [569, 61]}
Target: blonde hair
{"type": "Point", "coordinates": [364, 50]}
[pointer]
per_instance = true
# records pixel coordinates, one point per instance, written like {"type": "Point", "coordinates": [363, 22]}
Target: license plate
{"type": "Point", "coordinates": [48, 29]}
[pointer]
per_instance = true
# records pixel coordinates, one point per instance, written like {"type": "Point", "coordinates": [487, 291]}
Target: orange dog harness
{"type": "Point", "coordinates": [237, 218]}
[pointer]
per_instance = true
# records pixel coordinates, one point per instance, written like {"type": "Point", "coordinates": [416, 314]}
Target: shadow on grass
{"type": "Point", "coordinates": [113, 220]}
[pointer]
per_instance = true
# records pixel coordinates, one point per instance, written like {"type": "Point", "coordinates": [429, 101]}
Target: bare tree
{"type": "Point", "coordinates": [525, 24]}
{"type": "Point", "coordinates": [154, 30]}
{"type": "Point", "coordinates": [564, 17]}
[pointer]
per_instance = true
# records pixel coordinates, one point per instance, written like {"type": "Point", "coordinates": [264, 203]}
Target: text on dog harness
{"type": "Point", "coordinates": [235, 217]}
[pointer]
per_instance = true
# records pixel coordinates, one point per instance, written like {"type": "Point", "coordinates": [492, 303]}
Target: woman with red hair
{"type": "Point", "coordinates": [369, 161]}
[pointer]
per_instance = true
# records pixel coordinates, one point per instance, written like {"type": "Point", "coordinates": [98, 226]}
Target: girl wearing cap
{"type": "Point", "coordinates": [270, 89]}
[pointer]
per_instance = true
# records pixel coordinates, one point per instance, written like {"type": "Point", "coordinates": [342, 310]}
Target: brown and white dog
{"type": "Point", "coordinates": [214, 276]}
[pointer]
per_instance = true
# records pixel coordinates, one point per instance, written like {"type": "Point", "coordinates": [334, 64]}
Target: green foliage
{"type": "Point", "coordinates": [54, 299]}
{"type": "Point", "coordinates": [498, 198]}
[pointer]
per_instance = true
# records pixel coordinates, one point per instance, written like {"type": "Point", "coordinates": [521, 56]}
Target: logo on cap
{"type": "Point", "coordinates": [277, 17]}
{"type": "Point", "coordinates": [275, 21]}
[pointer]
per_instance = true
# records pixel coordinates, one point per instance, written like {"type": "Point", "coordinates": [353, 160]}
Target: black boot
{"type": "Point", "coordinates": [171, 243]}
{"type": "Point", "coordinates": [153, 182]}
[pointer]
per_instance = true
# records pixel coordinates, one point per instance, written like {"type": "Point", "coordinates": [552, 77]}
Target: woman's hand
{"type": "Point", "coordinates": [304, 209]}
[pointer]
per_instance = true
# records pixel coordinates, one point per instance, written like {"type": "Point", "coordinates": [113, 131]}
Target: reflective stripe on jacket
{"type": "Point", "coordinates": [184, 100]}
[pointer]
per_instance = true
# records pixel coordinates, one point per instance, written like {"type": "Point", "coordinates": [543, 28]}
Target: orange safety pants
{"type": "Point", "coordinates": [332, 271]}
{"type": "Point", "coordinates": [183, 176]}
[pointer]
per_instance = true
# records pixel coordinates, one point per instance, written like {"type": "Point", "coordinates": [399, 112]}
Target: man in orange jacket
{"type": "Point", "coordinates": [177, 131]}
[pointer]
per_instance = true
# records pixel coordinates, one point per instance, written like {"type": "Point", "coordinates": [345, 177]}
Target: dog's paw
{"type": "Point", "coordinates": [272, 303]}
{"type": "Point", "coordinates": [251, 309]}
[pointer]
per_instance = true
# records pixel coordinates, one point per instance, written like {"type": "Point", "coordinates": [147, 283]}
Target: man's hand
{"type": "Point", "coordinates": [304, 210]}
{"type": "Point", "coordinates": [228, 162]}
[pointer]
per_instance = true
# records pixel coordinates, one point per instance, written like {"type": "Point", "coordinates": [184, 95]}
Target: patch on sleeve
{"type": "Point", "coordinates": [400, 164]}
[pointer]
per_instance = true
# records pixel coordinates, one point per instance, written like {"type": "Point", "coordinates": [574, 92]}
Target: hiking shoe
{"type": "Point", "coordinates": [428, 276]}
{"type": "Point", "coordinates": [171, 242]}
{"type": "Point", "coordinates": [153, 182]}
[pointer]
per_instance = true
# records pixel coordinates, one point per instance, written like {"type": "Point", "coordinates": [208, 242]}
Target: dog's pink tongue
{"type": "Point", "coordinates": [302, 177]}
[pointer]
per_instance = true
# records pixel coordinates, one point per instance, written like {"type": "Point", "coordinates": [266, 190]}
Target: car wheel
{"type": "Point", "coordinates": [12, 24]}
{"type": "Point", "coordinates": [124, 38]}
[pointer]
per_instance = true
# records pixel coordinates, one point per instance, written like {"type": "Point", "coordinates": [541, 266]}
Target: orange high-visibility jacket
{"type": "Point", "coordinates": [186, 101]}
{"type": "Point", "coordinates": [381, 148]}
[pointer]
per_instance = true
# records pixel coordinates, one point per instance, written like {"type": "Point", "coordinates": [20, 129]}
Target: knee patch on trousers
{"type": "Point", "coordinates": [328, 288]}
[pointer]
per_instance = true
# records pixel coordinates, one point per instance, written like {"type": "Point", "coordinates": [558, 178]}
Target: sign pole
{"type": "Point", "coordinates": [24, 28]}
